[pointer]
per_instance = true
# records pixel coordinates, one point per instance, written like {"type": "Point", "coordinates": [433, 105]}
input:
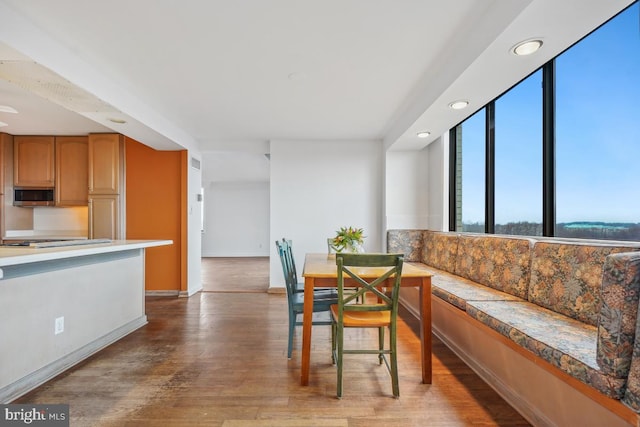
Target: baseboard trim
{"type": "Point", "coordinates": [161, 293]}
{"type": "Point", "coordinates": [190, 292]}
{"type": "Point", "coordinates": [24, 385]}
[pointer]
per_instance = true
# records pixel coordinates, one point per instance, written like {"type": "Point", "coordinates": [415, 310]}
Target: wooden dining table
{"type": "Point", "coordinates": [320, 270]}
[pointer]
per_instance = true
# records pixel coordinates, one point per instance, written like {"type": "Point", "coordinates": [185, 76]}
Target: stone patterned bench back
{"type": "Point", "coordinates": [440, 250]}
{"type": "Point", "coordinates": [617, 322]}
{"type": "Point", "coordinates": [566, 277]}
{"type": "Point", "coordinates": [407, 242]}
{"type": "Point", "coordinates": [499, 262]}
{"type": "Point", "coordinates": [632, 393]}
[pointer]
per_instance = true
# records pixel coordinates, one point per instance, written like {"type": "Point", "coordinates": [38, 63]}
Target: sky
{"type": "Point", "coordinates": [597, 136]}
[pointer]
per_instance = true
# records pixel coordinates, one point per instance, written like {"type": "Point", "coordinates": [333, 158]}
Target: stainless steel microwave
{"type": "Point", "coordinates": [33, 197]}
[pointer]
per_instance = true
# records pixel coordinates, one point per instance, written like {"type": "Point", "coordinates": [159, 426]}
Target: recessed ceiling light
{"type": "Point", "coordinates": [526, 47]}
{"type": "Point", "coordinates": [423, 134]}
{"type": "Point", "coordinates": [3, 124]}
{"type": "Point", "coordinates": [7, 109]}
{"type": "Point", "coordinates": [119, 121]}
{"type": "Point", "coordinates": [458, 105]}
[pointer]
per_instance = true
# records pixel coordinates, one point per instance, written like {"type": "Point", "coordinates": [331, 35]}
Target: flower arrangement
{"type": "Point", "coordinates": [348, 239]}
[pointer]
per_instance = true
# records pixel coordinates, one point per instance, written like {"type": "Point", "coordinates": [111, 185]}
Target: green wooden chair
{"type": "Point", "coordinates": [322, 298]}
{"type": "Point", "coordinates": [292, 267]}
{"type": "Point", "coordinates": [383, 314]}
{"type": "Point", "coordinates": [331, 249]}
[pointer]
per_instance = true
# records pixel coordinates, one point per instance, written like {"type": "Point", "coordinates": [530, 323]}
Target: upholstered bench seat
{"type": "Point", "coordinates": [570, 306]}
{"type": "Point", "coordinates": [457, 290]}
{"type": "Point", "coordinates": [566, 343]}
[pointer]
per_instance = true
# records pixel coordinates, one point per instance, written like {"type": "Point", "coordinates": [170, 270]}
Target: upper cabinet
{"type": "Point", "coordinates": [71, 171]}
{"type": "Point", "coordinates": [106, 163]}
{"type": "Point", "coordinates": [34, 161]}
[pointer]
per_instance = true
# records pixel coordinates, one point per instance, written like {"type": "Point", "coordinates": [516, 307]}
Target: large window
{"type": "Point", "coordinates": [593, 137]}
{"type": "Point", "coordinates": [598, 133]}
{"type": "Point", "coordinates": [518, 159]}
{"type": "Point", "coordinates": [472, 160]}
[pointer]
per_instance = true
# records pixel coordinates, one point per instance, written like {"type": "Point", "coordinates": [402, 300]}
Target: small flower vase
{"type": "Point", "coordinates": [354, 248]}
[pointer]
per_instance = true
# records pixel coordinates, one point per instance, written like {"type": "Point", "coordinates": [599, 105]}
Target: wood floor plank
{"type": "Point", "coordinates": [219, 359]}
{"type": "Point", "coordinates": [247, 274]}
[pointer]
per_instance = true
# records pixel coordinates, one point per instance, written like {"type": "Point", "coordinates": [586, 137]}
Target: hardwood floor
{"type": "Point", "coordinates": [219, 359]}
{"type": "Point", "coordinates": [250, 274]}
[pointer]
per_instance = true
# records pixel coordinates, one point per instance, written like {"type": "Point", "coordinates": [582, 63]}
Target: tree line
{"type": "Point", "coordinates": [581, 230]}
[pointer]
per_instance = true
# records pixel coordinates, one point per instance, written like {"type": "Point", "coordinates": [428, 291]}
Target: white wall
{"type": "Point", "coordinates": [194, 245]}
{"type": "Point", "coordinates": [407, 192]}
{"type": "Point", "coordinates": [438, 183]}
{"type": "Point", "coordinates": [417, 190]}
{"type": "Point", "coordinates": [236, 201]}
{"type": "Point", "coordinates": [314, 187]}
{"type": "Point", "coordinates": [319, 186]}
{"type": "Point", "coordinates": [236, 219]}
{"type": "Point", "coordinates": [425, 203]}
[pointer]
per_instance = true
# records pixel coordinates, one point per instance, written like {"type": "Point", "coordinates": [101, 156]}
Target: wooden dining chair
{"type": "Point", "coordinates": [322, 298]}
{"type": "Point", "coordinates": [331, 249]}
{"type": "Point", "coordinates": [294, 272]}
{"type": "Point", "coordinates": [381, 315]}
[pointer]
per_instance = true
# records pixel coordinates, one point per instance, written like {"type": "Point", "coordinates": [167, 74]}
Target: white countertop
{"type": "Point", "coordinates": [13, 255]}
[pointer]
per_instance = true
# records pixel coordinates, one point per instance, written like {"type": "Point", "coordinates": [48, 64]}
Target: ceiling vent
{"type": "Point", "coordinates": [195, 163]}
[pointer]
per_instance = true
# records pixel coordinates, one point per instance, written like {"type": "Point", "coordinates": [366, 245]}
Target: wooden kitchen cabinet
{"type": "Point", "coordinates": [6, 155]}
{"type": "Point", "coordinates": [6, 167]}
{"type": "Point", "coordinates": [33, 161]}
{"type": "Point", "coordinates": [106, 186]}
{"type": "Point", "coordinates": [106, 217]}
{"type": "Point", "coordinates": [71, 171]}
{"type": "Point", "coordinates": [11, 217]}
{"type": "Point", "coordinates": [106, 163]}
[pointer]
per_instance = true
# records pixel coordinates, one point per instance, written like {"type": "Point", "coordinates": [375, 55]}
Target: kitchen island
{"type": "Point", "coordinates": [60, 305]}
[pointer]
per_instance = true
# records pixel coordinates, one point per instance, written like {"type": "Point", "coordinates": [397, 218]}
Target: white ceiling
{"type": "Point", "coordinates": [216, 75]}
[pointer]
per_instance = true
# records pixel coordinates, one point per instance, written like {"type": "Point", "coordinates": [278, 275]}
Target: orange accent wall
{"type": "Point", "coordinates": [155, 207]}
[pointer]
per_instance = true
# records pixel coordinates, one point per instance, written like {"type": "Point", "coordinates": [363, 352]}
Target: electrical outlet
{"type": "Point", "coordinates": [59, 325]}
